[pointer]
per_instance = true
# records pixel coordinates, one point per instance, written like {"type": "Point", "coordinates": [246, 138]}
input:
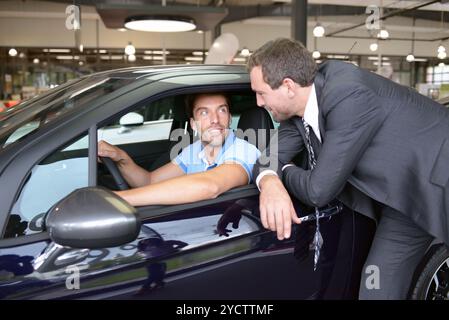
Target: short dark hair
{"type": "Point", "coordinates": [284, 58]}
{"type": "Point", "coordinates": [191, 99]}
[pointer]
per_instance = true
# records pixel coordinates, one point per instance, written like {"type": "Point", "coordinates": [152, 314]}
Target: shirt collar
{"type": "Point", "coordinates": [311, 112]}
{"type": "Point", "coordinates": [227, 143]}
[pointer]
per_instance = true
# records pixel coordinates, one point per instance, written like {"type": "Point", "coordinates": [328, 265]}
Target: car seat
{"type": "Point", "coordinates": [255, 118]}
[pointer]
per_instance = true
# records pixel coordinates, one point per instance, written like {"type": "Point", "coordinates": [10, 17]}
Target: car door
{"type": "Point", "coordinates": [183, 241]}
{"type": "Point", "coordinates": [212, 249]}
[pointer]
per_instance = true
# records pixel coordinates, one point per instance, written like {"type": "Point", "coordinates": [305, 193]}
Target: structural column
{"type": "Point", "coordinates": [299, 21]}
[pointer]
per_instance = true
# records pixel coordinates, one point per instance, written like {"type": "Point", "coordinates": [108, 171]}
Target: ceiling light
{"type": "Point", "coordinates": [382, 64]}
{"type": "Point", "coordinates": [114, 57]}
{"type": "Point", "coordinates": [376, 58]}
{"type": "Point", "coordinates": [193, 59]}
{"type": "Point", "coordinates": [64, 57]}
{"type": "Point", "coordinates": [316, 54]}
{"type": "Point", "coordinates": [57, 50]}
{"type": "Point", "coordinates": [441, 48]}
{"type": "Point", "coordinates": [441, 64]}
{"type": "Point", "coordinates": [161, 52]}
{"type": "Point", "coordinates": [22, 55]}
{"type": "Point", "coordinates": [337, 56]}
{"type": "Point", "coordinates": [442, 55]}
{"type": "Point", "coordinates": [410, 58]}
{"type": "Point", "coordinates": [35, 60]}
{"type": "Point", "coordinates": [383, 34]}
{"type": "Point", "coordinates": [130, 49]}
{"type": "Point", "coordinates": [373, 46]}
{"type": "Point", "coordinates": [12, 52]}
{"type": "Point", "coordinates": [160, 23]}
{"type": "Point", "coordinates": [245, 52]}
{"type": "Point", "coordinates": [131, 58]}
{"type": "Point", "coordinates": [318, 31]}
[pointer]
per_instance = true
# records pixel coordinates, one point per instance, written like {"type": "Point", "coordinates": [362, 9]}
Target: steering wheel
{"type": "Point", "coordinates": [115, 172]}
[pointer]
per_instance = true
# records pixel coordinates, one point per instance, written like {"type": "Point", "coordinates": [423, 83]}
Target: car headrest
{"type": "Point", "coordinates": [256, 118]}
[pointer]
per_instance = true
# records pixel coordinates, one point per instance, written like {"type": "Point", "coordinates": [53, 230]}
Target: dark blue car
{"type": "Point", "coordinates": [65, 235]}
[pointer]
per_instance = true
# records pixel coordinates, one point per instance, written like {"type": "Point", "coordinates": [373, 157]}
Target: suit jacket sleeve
{"type": "Point", "coordinates": [350, 125]}
{"type": "Point", "coordinates": [283, 147]}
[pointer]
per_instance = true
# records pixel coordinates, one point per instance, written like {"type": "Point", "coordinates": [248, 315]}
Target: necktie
{"type": "Point", "coordinates": [317, 239]}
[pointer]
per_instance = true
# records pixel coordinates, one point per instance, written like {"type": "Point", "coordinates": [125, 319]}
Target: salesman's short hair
{"type": "Point", "coordinates": [284, 58]}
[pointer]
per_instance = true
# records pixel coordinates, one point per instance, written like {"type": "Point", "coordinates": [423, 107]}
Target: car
{"type": "Point", "coordinates": [65, 235]}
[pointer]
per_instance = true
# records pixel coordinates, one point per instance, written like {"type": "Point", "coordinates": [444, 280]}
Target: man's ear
{"type": "Point", "coordinates": [193, 125]}
{"type": "Point", "coordinates": [290, 85]}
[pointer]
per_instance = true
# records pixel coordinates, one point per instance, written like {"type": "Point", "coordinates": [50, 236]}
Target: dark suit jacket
{"type": "Point", "coordinates": [383, 144]}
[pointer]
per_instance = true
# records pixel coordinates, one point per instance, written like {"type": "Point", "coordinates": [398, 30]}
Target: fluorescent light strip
{"type": "Point", "coordinates": [111, 57]}
{"type": "Point", "coordinates": [193, 59]}
{"type": "Point", "coordinates": [161, 52]}
{"type": "Point", "coordinates": [64, 57]}
{"type": "Point", "coordinates": [57, 50]}
{"type": "Point", "coordinates": [152, 58]}
{"type": "Point", "coordinates": [383, 63]}
{"type": "Point", "coordinates": [337, 56]}
{"type": "Point", "coordinates": [199, 53]}
{"type": "Point", "coordinates": [376, 58]}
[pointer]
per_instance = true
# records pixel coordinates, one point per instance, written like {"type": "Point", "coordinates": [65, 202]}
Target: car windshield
{"type": "Point", "coordinates": [19, 121]}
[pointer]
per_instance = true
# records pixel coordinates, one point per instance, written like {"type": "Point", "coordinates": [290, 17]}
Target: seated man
{"type": "Point", "coordinates": [217, 162]}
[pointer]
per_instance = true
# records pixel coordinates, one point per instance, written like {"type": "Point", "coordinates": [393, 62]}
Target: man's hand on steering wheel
{"type": "Point", "coordinates": [112, 156]}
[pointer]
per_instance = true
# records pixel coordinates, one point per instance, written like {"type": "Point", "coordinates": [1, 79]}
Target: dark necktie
{"type": "Point", "coordinates": [317, 239]}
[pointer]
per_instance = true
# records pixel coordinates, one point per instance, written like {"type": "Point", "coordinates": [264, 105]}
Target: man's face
{"type": "Point", "coordinates": [211, 119]}
{"type": "Point", "coordinates": [276, 101]}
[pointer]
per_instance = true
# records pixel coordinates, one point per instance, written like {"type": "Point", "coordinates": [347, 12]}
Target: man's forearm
{"type": "Point", "coordinates": [184, 189]}
{"type": "Point", "coordinates": [135, 175]}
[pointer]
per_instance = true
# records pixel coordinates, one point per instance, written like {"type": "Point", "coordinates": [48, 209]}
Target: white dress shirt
{"type": "Point", "coordinates": [311, 118]}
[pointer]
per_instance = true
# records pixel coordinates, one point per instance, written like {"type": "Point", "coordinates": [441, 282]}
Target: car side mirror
{"type": "Point", "coordinates": [131, 119]}
{"type": "Point", "coordinates": [92, 217]}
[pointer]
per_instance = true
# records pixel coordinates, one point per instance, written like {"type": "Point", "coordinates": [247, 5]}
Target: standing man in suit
{"type": "Point", "coordinates": [383, 152]}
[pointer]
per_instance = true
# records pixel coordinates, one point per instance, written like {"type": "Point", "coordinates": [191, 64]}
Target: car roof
{"type": "Point", "coordinates": [444, 101]}
{"type": "Point", "coordinates": [150, 72]}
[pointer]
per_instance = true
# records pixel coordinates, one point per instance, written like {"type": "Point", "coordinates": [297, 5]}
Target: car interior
{"type": "Point", "coordinates": [152, 154]}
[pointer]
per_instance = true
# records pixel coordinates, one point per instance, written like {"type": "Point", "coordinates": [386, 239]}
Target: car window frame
{"type": "Point", "coordinates": [92, 156]}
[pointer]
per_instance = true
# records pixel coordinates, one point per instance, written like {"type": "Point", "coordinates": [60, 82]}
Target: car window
{"type": "Point", "coordinates": [19, 121]}
{"type": "Point", "coordinates": [49, 181]}
{"type": "Point", "coordinates": [149, 122]}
